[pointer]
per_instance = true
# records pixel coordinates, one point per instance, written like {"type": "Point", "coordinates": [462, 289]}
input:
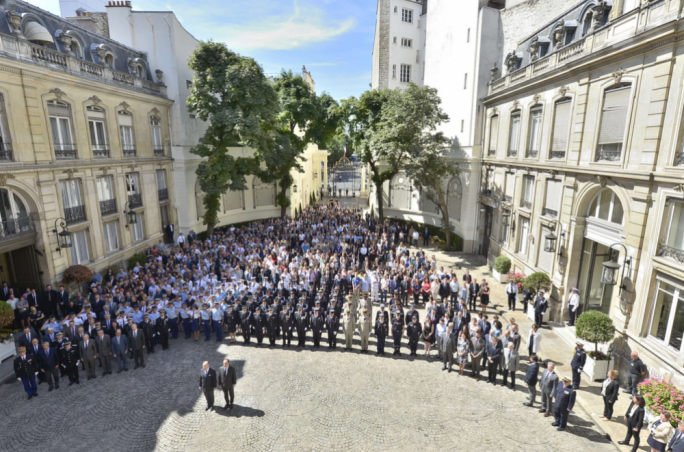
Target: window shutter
{"type": "Point", "coordinates": [493, 133]}
{"type": "Point", "coordinates": [561, 125]}
{"type": "Point", "coordinates": [553, 195]}
{"type": "Point", "coordinates": [614, 118]}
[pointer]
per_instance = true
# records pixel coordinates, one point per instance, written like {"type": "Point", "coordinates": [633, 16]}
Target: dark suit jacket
{"type": "Point", "coordinates": [532, 374]}
{"type": "Point", "coordinates": [23, 341]}
{"type": "Point", "coordinates": [208, 383]}
{"type": "Point", "coordinates": [612, 391]}
{"type": "Point", "coordinates": [120, 349]}
{"type": "Point", "coordinates": [89, 352]}
{"type": "Point", "coordinates": [104, 345]}
{"type": "Point", "coordinates": [637, 420]}
{"type": "Point", "coordinates": [676, 444]}
{"type": "Point", "coordinates": [48, 360]}
{"type": "Point", "coordinates": [229, 379]}
{"type": "Point", "coordinates": [63, 298]}
{"type": "Point", "coordinates": [138, 342]}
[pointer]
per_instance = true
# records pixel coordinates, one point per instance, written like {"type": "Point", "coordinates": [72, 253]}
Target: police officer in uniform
{"type": "Point", "coordinates": [573, 305]}
{"type": "Point", "coordinates": [271, 326]}
{"type": "Point", "coordinates": [69, 362]}
{"type": "Point", "coordinates": [332, 324]}
{"type": "Point", "coordinates": [26, 369]}
{"type": "Point", "coordinates": [317, 325]}
{"type": "Point", "coordinates": [565, 401]}
{"type": "Point", "coordinates": [364, 325]}
{"type": "Point", "coordinates": [150, 330]}
{"type": "Point", "coordinates": [577, 364]}
{"type": "Point", "coordinates": [301, 323]}
{"type": "Point", "coordinates": [397, 332]}
{"type": "Point", "coordinates": [349, 323]}
{"type": "Point", "coordinates": [245, 324]}
{"type": "Point", "coordinates": [287, 324]}
{"type": "Point", "coordinates": [259, 323]}
{"type": "Point", "coordinates": [413, 330]}
{"type": "Point", "coordinates": [381, 332]}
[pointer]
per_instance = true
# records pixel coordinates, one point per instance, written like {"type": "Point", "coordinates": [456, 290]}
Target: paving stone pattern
{"type": "Point", "coordinates": [286, 400]}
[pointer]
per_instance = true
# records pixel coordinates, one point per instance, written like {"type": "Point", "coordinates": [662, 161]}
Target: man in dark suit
{"type": "Point", "coordinates": [5, 292]}
{"type": "Point", "coordinates": [62, 300]}
{"type": "Point", "coordinates": [207, 384]}
{"type": "Point", "coordinates": [49, 305]}
{"type": "Point", "coordinates": [577, 364]}
{"type": "Point", "coordinates": [227, 379]}
{"type": "Point", "coordinates": [88, 352]}
{"type": "Point", "coordinates": [25, 369]}
{"type": "Point", "coordinates": [531, 378]}
{"type": "Point", "coordinates": [104, 351]}
{"type": "Point", "coordinates": [49, 365]}
{"type": "Point", "coordinates": [541, 304]}
{"type": "Point", "coordinates": [26, 339]}
{"type": "Point", "coordinates": [69, 360]}
{"type": "Point", "coordinates": [119, 350]}
{"type": "Point", "coordinates": [136, 342]}
{"type": "Point", "coordinates": [477, 351]}
{"type": "Point", "coordinates": [676, 444]}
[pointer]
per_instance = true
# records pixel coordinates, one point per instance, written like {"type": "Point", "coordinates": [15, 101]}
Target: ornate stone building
{"type": "Point", "coordinates": [84, 148]}
{"type": "Point", "coordinates": [583, 170]}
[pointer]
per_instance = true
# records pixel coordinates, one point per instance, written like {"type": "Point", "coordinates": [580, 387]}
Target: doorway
{"type": "Point", "coordinates": [488, 220]}
{"type": "Point", "coordinates": [594, 294]}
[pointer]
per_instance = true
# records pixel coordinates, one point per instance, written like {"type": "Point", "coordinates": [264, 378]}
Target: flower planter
{"type": "Point", "coordinates": [7, 349]}
{"type": "Point", "coordinates": [530, 314]}
{"type": "Point", "coordinates": [651, 416]}
{"type": "Point", "coordinates": [501, 277]}
{"type": "Point", "coordinates": [595, 369]}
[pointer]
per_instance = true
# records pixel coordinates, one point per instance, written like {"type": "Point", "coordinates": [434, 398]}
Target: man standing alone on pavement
{"type": "Point", "coordinates": [512, 294]}
{"type": "Point", "coordinates": [577, 364]}
{"type": "Point", "coordinates": [227, 379]}
{"type": "Point", "coordinates": [207, 384]}
{"type": "Point", "coordinates": [637, 370]}
{"type": "Point", "coordinates": [573, 305]}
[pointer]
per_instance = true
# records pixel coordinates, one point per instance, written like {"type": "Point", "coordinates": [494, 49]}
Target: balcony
{"type": "Point", "coordinates": [100, 152]}
{"type": "Point", "coordinates": [65, 151]}
{"type": "Point", "coordinates": [135, 200]}
{"type": "Point", "coordinates": [508, 198]}
{"type": "Point", "coordinates": [512, 153]}
{"type": "Point", "coordinates": [108, 207]}
{"type": "Point", "coordinates": [163, 194]}
{"type": "Point", "coordinates": [526, 204]}
{"type": "Point", "coordinates": [530, 154]}
{"type": "Point", "coordinates": [129, 151]}
{"type": "Point", "coordinates": [557, 155]}
{"type": "Point", "coordinates": [16, 227]}
{"type": "Point", "coordinates": [74, 214]}
{"type": "Point", "coordinates": [158, 151]}
{"type": "Point", "coordinates": [491, 152]}
{"type": "Point", "coordinates": [673, 253]}
{"type": "Point", "coordinates": [6, 153]}
{"type": "Point", "coordinates": [549, 212]}
{"type": "Point", "coordinates": [609, 154]}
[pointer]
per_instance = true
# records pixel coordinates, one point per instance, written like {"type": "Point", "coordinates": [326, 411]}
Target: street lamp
{"type": "Point", "coordinates": [609, 276]}
{"type": "Point", "coordinates": [131, 216]}
{"type": "Point", "coordinates": [294, 188]}
{"type": "Point", "coordinates": [550, 243]}
{"type": "Point", "coordinates": [63, 236]}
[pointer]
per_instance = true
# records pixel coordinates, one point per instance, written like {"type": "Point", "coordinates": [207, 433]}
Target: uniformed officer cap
{"type": "Point", "coordinates": [258, 308]}
{"type": "Point", "coordinates": [415, 317]}
{"type": "Point", "coordinates": [67, 341]}
{"type": "Point", "coordinates": [382, 305]}
{"type": "Point", "coordinates": [580, 343]}
{"type": "Point", "coordinates": [566, 380]}
{"type": "Point", "coordinates": [22, 349]}
{"type": "Point", "coordinates": [318, 301]}
{"type": "Point", "coordinates": [575, 289]}
{"type": "Point", "coordinates": [52, 316]}
{"type": "Point", "coordinates": [145, 315]}
{"type": "Point", "coordinates": [60, 334]}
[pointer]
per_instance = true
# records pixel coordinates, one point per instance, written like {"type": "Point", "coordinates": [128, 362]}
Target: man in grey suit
{"type": "Point", "coordinates": [119, 350]}
{"type": "Point", "coordinates": [447, 345]}
{"type": "Point", "coordinates": [511, 359]}
{"type": "Point", "coordinates": [136, 344]}
{"type": "Point", "coordinates": [88, 352]}
{"type": "Point", "coordinates": [547, 385]}
{"type": "Point", "coordinates": [227, 379]}
{"type": "Point", "coordinates": [207, 384]}
{"type": "Point", "coordinates": [476, 353]}
{"type": "Point", "coordinates": [104, 351]}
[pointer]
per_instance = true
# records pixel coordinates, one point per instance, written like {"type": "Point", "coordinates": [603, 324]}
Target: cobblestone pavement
{"type": "Point", "coordinates": [286, 400]}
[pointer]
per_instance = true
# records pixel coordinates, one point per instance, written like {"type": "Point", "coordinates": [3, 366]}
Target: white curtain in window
{"type": "Point", "coordinates": [98, 138]}
{"type": "Point", "coordinates": [156, 133]}
{"type": "Point", "coordinates": [561, 126]}
{"type": "Point", "coordinates": [535, 129]}
{"type": "Point", "coordinates": [553, 195]}
{"type": "Point", "coordinates": [528, 185]}
{"type": "Point", "coordinates": [510, 184]}
{"type": "Point", "coordinates": [515, 132]}
{"type": "Point", "coordinates": [111, 236]}
{"type": "Point", "coordinates": [614, 117]}
{"type": "Point", "coordinates": [79, 248]}
{"type": "Point", "coordinates": [138, 228]}
{"type": "Point", "coordinates": [127, 138]}
{"type": "Point", "coordinates": [61, 132]}
{"type": "Point", "coordinates": [545, 258]}
{"type": "Point", "coordinates": [524, 235]}
{"type": "Point", "coordinates": [71, 193]}
{"type": "Point", "coordinates": [105, 188]}
{"type": "Point", "coordinates": [493, 133]}
{"type": "Point", "coordinates": [675, 235]}
{"type": "Point", "coordinates": [161, 179]}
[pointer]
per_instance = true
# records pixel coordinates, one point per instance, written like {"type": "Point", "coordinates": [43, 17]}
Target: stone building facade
{"type": "Point", "coordinates": [583, 167]}
{"type": "Point", "coordinates": [84, 148]}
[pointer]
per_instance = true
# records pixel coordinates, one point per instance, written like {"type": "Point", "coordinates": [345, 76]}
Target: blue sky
{"type": "Point", "coordinates": [333, 38]}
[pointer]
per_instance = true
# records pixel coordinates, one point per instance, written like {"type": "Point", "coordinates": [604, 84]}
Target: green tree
{"type": "Point", "coordinates": [336, 148]}
{"type": "Point", "coordinates": [303, 118]}
{"type": "Point", "coordinates": [231, 93]}
{"type": "Point", "coordinates": [362, 117]}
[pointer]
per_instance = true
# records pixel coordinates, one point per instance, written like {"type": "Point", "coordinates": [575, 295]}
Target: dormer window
{"type": "Point", "coordinates": [37, 34]}
{"type": "Point", "coordinates": [109, 61]}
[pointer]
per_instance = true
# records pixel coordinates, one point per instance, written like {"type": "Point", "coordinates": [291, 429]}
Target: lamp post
{"type": "Point", "coordinates": [63, 236]}
{"type": "Point", "coordinates": [609, 274]}
{"type": "Point", "coordinates": [131, 216]}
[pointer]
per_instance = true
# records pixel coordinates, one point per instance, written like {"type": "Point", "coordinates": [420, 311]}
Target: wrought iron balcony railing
{"type": "Point", "coordinates": [108, 206]}
{"type": "Point", "coordinates": [135, 200]}
{"type": "Point", "coordinates": [74, 214]}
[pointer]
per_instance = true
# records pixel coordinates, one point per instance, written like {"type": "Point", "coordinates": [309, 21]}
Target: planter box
{"type": "Point", "coordinates": [7, 349]}
{"type": "Point", "coordinates": [502, 278]}
{"type": "Point", "coordinates": [530, 314]}
{"type": "Point", "coordinates": [596, 370]}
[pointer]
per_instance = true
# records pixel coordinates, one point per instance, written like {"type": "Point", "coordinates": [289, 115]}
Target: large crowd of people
{"type": "Point", "coordinates": [330, 271]}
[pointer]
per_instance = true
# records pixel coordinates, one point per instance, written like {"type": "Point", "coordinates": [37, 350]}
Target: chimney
{"type": "Point", "coordinates": [119, 18]}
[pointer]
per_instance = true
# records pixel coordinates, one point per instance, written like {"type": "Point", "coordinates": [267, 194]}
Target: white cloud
{"type": "Point", "coordinates": [322, 64]}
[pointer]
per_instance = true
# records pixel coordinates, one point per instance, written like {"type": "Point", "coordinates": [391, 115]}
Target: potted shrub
{"type": "Point", "coordinates": [502, 265]}
{"type": "Point", "coordinates": [78, 274]}
{"type": "Point", "coordinates": [662, 396]}
{"type": "Point", "coordinates": [6, 338]}
{"type": "Point", "coordinates": [595, 327]}
{"type": "Point", "coordinates": [534, 283]}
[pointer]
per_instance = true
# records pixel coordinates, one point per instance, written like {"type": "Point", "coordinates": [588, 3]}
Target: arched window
{"type": "Point", "coordinates": [606, 206]}
{"type": "Point", "coordinates": [455, 198]}
{"type": "Point", "coordinates": [586, 23]}
{"type": "Point", "coordinates": [14, 217]}
{"type": "Point", "coordinates": [109, 60]}
{"type": "Point", "coordinates": [126, 133]}
{"type": "Point", "coordinates": [157, 145]}
{"type": "Point", "coordinates": [75, 48]}
{"type": "Point", "coordinates": [199, 200]}
{"type": "Point", "coordinates": [232, 200]}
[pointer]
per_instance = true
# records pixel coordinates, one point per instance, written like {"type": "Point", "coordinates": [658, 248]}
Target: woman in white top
{"type": "Point", "coordinates": [534, 340]}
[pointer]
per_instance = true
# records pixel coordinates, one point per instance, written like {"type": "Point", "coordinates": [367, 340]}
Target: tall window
{"type": "Point", "coordinates": [613, 124]}
{"type": "Point", "coordinates": [535, 133]}
{"type": "Point", "coordinates": [509, 186]}
{"type": "Point", "coordinates": [111, 236]}
{"type": "Point", "coordinates": [405, 42]}
{"type": "Point", "coordinates": [524, 235]}
{"type": "Point", "coordinates": [607, 207]}
{"type": "Point", "coordinates": [505, 227]}
{"type": "Point", "coordinates": [586, 23]}
{"type": "Point", "coordinates": [126, 132]}
{"type": "Point", "coordinates": [405, 75]}
{"type": "Point", "coordinates": [6, 154]}
{"type": "Point", "coordinates": [465, 81]}
{"type": "Point", "coordinates": [673, 238]}
{"type": "Point", "coordinates": [553, 198]}
{"type": "Point", "coordinates": [79, 247]}
{"type": "Point", "coordinates": [528, 192]}
{"type": "Point", "coordinates": [162, 189]}
{"type": "Point", "coordinates": [667, 319]}
{"type": "Point", "coordinates": [72, 201]}
{"type": "Point", "coordinates": [98, 134]}
{"type": "Point", "coordinates": [155, 124]}
{"type": "Point", "coordinates": [105, 193]}
{"type": "Point", "coordinates": [493, 134]}
{"type": "Point", "coordinates": [514, 135]}
{"type": "Point", "coordinates": [394, 71]}
{"type": "Point", "coordinates": [60, 126]}
{"type": "Point", "coordinates": [561, 129]}
{"type": "Point", "coordinates": [138, 228]}
{"type": "Point", "coordinates": [489, 181]}
{"type": "Point", "coordinates": [407, 15]}
{"type": "Point", "coordinates": [629, 5]}
{"type": "Point", "coordinates": [133, 190]}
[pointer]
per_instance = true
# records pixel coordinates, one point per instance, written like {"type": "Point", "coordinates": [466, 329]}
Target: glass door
{"type": "Point", "coordinates": [594, 295]}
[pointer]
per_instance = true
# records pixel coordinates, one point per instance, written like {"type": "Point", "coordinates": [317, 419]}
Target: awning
{"type": "Point", "coordinates": [35, 32]}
